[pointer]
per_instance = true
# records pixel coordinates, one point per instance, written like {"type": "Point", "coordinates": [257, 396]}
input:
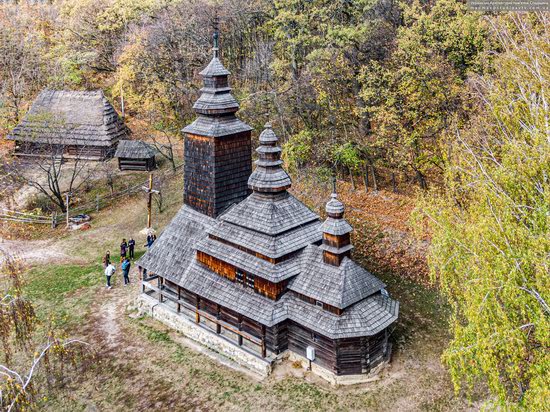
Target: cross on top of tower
{"type": "Point", "coordinates": [216, 36]}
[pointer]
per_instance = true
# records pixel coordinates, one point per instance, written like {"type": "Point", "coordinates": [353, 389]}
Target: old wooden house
{"type": "Point", "coordinates": [135, 155]}
{"type": "Point", "coordinates": [246, 261]}
{"type": "Point", "coordinates": [69, 124]}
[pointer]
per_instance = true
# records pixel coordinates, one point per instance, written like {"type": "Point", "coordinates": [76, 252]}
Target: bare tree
{"type": "Point", "coordinates": [52, 173]}
{"type": "Point", "coordinates": [165, 145]}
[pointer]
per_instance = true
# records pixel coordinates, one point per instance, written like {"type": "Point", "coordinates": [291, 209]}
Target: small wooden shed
{"type": "Point", "coordinates": [135, 155]}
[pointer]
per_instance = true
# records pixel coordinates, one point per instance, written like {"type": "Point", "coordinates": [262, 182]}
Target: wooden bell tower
{"type": "Point", "coordinates": [218, 158]}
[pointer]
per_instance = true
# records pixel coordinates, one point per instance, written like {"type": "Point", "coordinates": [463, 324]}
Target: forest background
{"type": "Point", "coordinates": [395, 94]}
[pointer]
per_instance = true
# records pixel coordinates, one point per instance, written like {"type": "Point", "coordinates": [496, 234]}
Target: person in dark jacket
{"type": "Point", "coordinates": [131, 247]}
{"type": "Point", "coordinates": [106, 259]}
{"type": "Point", "coordinates": [126, 270]}
{"type": "Point", "coordinates": [123, 250]}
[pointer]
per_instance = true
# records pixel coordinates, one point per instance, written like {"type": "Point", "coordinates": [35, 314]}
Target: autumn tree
{"type": "Point", "coordinates": [21, 64]}
{"type": "Point", "coordinates": [417, 95]}
{"type": "Point", "coordinates": [321, 48]}
{"type": "Point", "coordinates": [31, 351]}
{"type": "Point", "coordinates": [491, 229]}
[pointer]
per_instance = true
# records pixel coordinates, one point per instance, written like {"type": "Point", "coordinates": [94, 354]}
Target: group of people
{"type": "Point", "coordinates": [127, 252]}
{"type": "Point", "coordinates": [151, 237]}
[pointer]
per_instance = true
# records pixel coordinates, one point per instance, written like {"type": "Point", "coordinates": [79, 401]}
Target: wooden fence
{"type": "Point", "coordinates": [93, 206]}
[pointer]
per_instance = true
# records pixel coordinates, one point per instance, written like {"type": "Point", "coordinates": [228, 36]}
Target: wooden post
{"type": "Point", "coordinates": [160, 288]}
{"type": "Point", "coordinates": [240, 329]}
{"type": "Point", "coordinates": [67, 208]}
{"type": "Point", "coordinates": [264, 349]}
{"type": "Point", "coordinates": [218, 324]}
{"type": "Point", "coordinates": [54, 220]}
{"type": "Point", "coordinates": [149, 200]}
{"type": "Point", "coordinates": [197, 314]}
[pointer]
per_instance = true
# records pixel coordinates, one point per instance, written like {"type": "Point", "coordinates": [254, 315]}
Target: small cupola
{"type": "Point", "coordinates": [336, 233]}
{"type": "Point", "coordinates": [269, 176]}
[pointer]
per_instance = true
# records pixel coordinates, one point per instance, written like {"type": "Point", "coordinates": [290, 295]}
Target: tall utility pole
{"type": "Point", "coordinates": [149, 190]}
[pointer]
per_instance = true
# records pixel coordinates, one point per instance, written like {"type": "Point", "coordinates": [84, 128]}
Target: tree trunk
{"type": "Point", "coordinates": [352, 179]}
{"type": "Point", "coordinates": [374, 181]}
{"type": "Point", "coordinates": [421, 180]}
{"type": "Point", "coordinates": [366, 176]}
{"type": "Point", "coordinates": [393, 182]}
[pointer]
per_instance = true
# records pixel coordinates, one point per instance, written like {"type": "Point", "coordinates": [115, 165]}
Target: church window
{"type": "Point", "coordinates": [250, 281]}
{"type": "Point", "coordinates": [239, 277]}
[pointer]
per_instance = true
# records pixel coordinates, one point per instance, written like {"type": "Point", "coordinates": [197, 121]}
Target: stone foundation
{"type": "Point", "coordinates": [197, 333]}
{"type": "Point", "coordinates": [263, 367]}
{"type": "Point", "coordinates": [332, 377]}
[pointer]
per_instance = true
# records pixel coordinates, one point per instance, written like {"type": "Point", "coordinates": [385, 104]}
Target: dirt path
{"type": "Point", "coordinates": [110, 313]}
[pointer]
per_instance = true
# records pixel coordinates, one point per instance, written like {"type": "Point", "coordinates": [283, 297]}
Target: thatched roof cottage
{"type": "Point", "coordinates": [79, 124]}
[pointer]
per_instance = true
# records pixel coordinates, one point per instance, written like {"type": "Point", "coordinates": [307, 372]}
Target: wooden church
{"type": "Point", "coordinates": [245, 260]}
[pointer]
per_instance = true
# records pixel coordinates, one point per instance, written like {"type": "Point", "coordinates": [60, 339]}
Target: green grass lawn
{"type": "Point", "coordinates": [62, 294]}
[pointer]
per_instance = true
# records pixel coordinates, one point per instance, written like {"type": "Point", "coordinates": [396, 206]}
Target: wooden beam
{"type": "Point", "coordinates": [218, 324]}
{"type": "Point", "coordinates": [197, 314]}
{"type": "Point", "coordinates": [264, 350]}
{"type": "Point", "coordinates": [240, 329]}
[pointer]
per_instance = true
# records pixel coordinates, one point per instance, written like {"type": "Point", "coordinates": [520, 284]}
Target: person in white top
{"type": "Point", "coordinates": [109, 271]}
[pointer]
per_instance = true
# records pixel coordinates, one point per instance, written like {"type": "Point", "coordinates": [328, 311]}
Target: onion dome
{"type": "Point", "coordinates": [216, 106]}
{"type": "Point", "coordinates": [269, 176]}
{"type": "Point", "coordinates": [336, 233]}
{"type": "Point", "coordinates": [334, 207]}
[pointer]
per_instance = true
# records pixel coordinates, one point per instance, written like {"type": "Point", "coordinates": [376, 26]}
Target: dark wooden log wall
{"type": "Point", "coordinates": [277, 337]}
{"type": "Point", "coordinates": [348, 356]}
{"type": "Point", "coordinates": [299, 338]}
{"type": "Point", "coordinates": [352, 356]}
{"type": "Point", "coordinates": [361, 354]}
{"type": "Point", "coordinates": [69, 151]}
{"type": "Point", "coordinates": [330, 308]}
{"type": "Point", "coordinates": [216, 171]}
{"type": "Point", "coordinates": [378, 347]}
{"type": "Point", "coordinates": [136, 164]}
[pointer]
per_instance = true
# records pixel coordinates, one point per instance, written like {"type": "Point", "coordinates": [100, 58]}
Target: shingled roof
{"type": "Point", "coordinates": [365, 318]}
{"type": "Point", "coordinates": [216, 106]}
{"type": "Point", "coordinates": [135, 149]}
{"type": "Point", "coordinates": [273, 224]}
{"type": "Point", "coordinates": [84, 118]}
{"type": "Point", "coordinates": [339, 286]}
